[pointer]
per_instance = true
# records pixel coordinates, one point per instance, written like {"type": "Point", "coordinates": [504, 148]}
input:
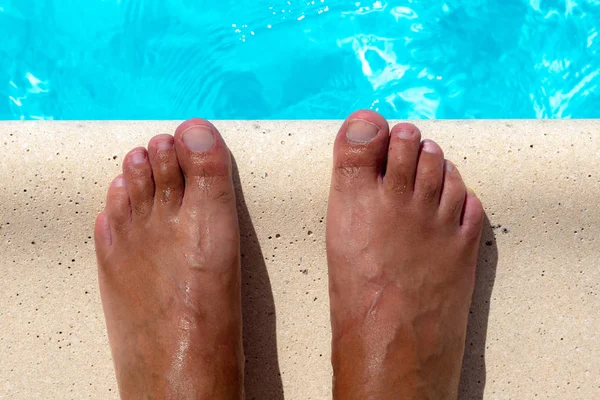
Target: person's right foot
{"type": "Point", "coordinates": [402, 240]}
{"type": "Point", "coordinates": [169, 269]}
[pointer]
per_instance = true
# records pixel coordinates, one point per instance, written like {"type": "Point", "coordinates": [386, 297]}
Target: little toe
{"type": "Point", "coordinates": [472, 217]}
{"type": "Point", "coordinates": [453, 196]}
{"type": "Point", "coordinates": [205, 161]}
{"type": "Point", "coordinates": [360, 151]}
{"type": "Point", "coordinates": [430, 174]}
{"type": "Point", "coordinates": [140, 184]}
{"type": "Point", "coordinates": [102, 234]}
{"type": "Point", "coordinates": [166, 171]}
{"type": "Point", "coordinates": [403, 155]}
{"type": "Point", "coordinates": [118, 208]}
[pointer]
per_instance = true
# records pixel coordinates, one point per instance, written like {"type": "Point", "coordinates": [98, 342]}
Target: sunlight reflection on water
{"type": "Point", "coordinates": [321, 59]}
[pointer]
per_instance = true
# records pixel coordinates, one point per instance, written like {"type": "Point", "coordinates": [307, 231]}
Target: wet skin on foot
{"type": "Point", "coordinates": [403, 235]}
{"type": "Point", "coordinates": [168, 254]}
{"type": "Point", "coordinates": [402, 241]}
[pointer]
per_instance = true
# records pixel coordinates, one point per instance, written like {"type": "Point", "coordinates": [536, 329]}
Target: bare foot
{"type": "Point", "coordinates": [402, 242]}
{"type": "Point", "coordinates": [169, 269]}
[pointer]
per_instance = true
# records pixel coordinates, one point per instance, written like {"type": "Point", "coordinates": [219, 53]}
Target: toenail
{"type": "Point", "coordinates": [138, 157]}
{"type": "Point", "coordinates": [361, 131]}
{"type": "Point", "coordinates": [471, 192]}
{"type": "Point", "coordinates": [199, 138]}
{"type": "Point", "coordinates": [449, 166]}
{"type": "Point", "coordinates": [405, 133]}
{"type": "Point", "coordinates": [119, 182]}
{"type": "Point", "coordinates": [430, 147]}
{"type": "Point", "coordinates": [164, 145]}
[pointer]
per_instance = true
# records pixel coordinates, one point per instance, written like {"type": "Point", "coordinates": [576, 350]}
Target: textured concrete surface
{"type": "Point", "coordinates": [536, 314]}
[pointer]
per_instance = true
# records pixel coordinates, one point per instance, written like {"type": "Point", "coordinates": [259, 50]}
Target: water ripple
{"type": "Point", "coordinates": [310, 59]}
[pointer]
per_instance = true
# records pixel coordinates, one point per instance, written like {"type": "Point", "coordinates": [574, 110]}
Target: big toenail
{"type": "Point", "coordinates": [405, 133]}
{"type": "Point", "coordinates": [430, 147]}
{"type": "Point", "coordinates": [361, 131]}
{"type": "Point", "coordinates": [119, 182]}
{"type": "Point", "coordinates": [199, 138]}
{"type": "Point", "coordinates": [138, 157]}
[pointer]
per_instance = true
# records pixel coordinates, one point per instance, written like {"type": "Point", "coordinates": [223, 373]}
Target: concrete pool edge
{"type": "Point", "coordinates": [535, 318]}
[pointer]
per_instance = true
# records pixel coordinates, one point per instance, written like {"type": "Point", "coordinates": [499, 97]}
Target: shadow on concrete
{"type": "Point", "coordinates": [263, 377]}
{"type": "Point", "coordinates": [472, 383]}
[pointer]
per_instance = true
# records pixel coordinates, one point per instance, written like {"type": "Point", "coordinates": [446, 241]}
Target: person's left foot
{"type": "Point", "coordinates": [403, 236]}
{"type": "Point", "coordinates": [169, 269]}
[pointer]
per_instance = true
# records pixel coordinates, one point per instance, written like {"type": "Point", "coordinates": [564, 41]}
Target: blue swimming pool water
{"type": "Point", "coordinates": [247, 59]}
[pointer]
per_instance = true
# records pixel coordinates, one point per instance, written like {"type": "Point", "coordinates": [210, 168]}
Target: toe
{"type": "Point", "coordinates": [360, 151]}
{"type": "Point", "coordinates": [102, 235]}
{"type": "Point", "coordinates": [430, 173]}
{"type": "Point", "coordinates": [140, 185]}
{"type": "Point", "coordinates": [167, 174]}
{"type": "Point", "coordinates": [472, 218]}
{"type": "Point", "coordinates": [205, 161]}
{"type": "Point", "coordinates": [403, 155]}
{"type": "Point", "coordinates": [118, 207]}
{"type": "Point", "coordinates": [453, 196]}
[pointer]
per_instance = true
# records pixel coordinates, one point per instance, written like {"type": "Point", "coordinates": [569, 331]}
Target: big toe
{"type": "Point", "coordinates": [206, 163]}
{"type": "Point", "coordinates": [360, 151]}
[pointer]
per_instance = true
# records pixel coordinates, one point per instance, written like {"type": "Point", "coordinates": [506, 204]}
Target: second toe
{"type": "Point", "coordinates": [166, 171]}
{"type": "Point", "coordinates": [403, 155]}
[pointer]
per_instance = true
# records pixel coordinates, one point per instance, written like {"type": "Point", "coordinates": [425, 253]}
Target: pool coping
{"type": "Point", "coordinates": [534, 323]}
